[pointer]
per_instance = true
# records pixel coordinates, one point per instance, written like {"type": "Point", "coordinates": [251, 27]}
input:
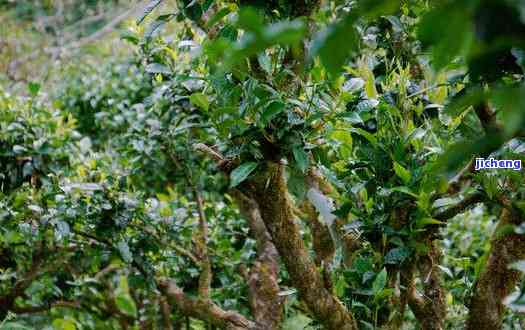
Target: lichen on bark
{"type": "Point", "coordinates": [497, 280]}
{"type": "Point", "coordinates": [269, 189]}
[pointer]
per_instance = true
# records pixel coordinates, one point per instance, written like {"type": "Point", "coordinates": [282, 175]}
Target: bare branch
{"type": "Point", "coordinates": [270, 192]}
{"type": "Point", "coordinates": [203, 309]}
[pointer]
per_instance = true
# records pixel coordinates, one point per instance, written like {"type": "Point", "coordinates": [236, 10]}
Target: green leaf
{"type": "Point", "coordinates": [402, 173]}
{"type": "Point", "coordinates": [379, 283]}
{"type": "Point", "coordinates": [14, 326]}
{"type": "Point", "coordinates": [265, 62]}
{"type": "Point", "coordinates": [220, 15]}
{"type": "Point", "coordinates": [428, 221]}
{"type": "Point", "coordinates": [448, 30]}
{"type": "Point", "coordinates": [340, 285]}
{"type": "Point", "coordinates": [370, 137]}
{"type": "Point", "coordinates": [375, 8]}
{"type": "Point", "coordinates": [123, 248]}
{"type": "Point", "coordinates": [126, 304]}
{"type": "Point", "coordinates": [461, 101]}
{"type": "Point", "coordinates": [33, 88]}
{"type": "Point", "coordinates": [284, 32]}
{"type": "Point", "coordinates": [123, 299]}
{"type": "Point", "coordinates": [343, 136]}
{"type": "Point", "coordinates": [510, 103]}
{"type": "Point", "coordinates": [200, 100]}
{"type": "Point", "coordinates": [352, 117]}
{"type": "Point", "coordinates": [250, 20]}
{"type": "Point", "coordinates": [131, 37]}
{"type": "Point", "coordinates": [296, 184]}
{"type": "Point", "coordinates": [404, 190]}
{"type": "Point", "coordinates": [461, 152]}
{"type": "Point", "coordinates": [257, 37]}
{"type": "Point", "coordinates": [296, 322]}
{"type": "Point", "coordinates": [242, 172]}
{"type": "Point", "coordinates": [272, 110]}
{"type": "Point", "coordinates": [63, 324]}
{"type": "Point", "coordinates": [335, 44]}
{"type": "Point", "coordinates": [301, 158]}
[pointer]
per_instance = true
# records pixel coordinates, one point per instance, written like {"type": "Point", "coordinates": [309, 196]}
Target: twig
{"type": "Point", "coordinates": [44, 308]}
{"type": "Point", "coordinates": [460, 207]}
{"type": "Point", "coordinates": [209, 151]}
{"type": "Point", "coordinates": [424, 90]}
{"type": "Point", "coordinates": [202, 241]}
{"type": "Point", "coordinates": [109, 244]}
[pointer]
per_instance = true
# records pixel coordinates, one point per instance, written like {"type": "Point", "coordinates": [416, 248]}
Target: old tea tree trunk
{"type": "Point", "coordinates": [270, 190]}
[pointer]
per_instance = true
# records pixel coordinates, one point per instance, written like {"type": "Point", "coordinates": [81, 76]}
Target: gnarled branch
{"type": "Point", "coordinates": [496, 280]}
{"type": "Point", "coordinates": [269, 189]}
{"type": "Point", "coordinates": [203, 309]}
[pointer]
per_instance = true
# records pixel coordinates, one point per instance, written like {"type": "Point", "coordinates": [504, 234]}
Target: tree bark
{"type": "Point", "coordinates": [270, 191]}
{"type": "Point", "coordinates": [263, 288]}
{"type": "Point", "coordinates": [497, 281]}
{"type": "Point", "coordinates": [429, 308]}
{"type": "Point", "coordinates": [204, 309]}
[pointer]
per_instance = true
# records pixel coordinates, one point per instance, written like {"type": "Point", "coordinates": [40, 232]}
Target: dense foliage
{"type": "Point", "coordinates": [269, 165]}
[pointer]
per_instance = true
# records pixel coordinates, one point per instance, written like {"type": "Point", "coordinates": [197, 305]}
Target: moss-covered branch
{"type": "Point", "coordinates": [429, 307]}
{"type": "Point", "coordinates": [496, 280]}
{"type": "Point", "coordinates": [265, 303]}
{"type": "Point", "coordinates": [270, 190]}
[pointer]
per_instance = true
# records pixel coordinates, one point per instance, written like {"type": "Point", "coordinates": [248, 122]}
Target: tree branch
{"type": "Point", "coordinates": [460, 207]}
{"type": "Point", "coordinates": [497, 280]}
{"type": "Point", "coordinates": [203, 309]}
{"type": "Point", "coordinates": [430, 307]}
{"type": "Point", "coordinates": [265, 302]}
{"type": "Point", "coordinates": [109, 244]}
{"type": "Point", "coordinates": [269, 189]}
{"type": "Point", "coordinates": [205, 276]}
{"type": "Point", "coordinates": [45, 308]}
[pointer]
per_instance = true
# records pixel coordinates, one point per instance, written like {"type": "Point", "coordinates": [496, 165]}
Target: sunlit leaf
{"type": "Point", "coordinates": [402, 173]}
{"type": "Point", "coordinates": [200, 100]}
